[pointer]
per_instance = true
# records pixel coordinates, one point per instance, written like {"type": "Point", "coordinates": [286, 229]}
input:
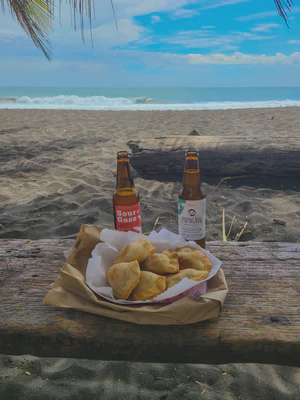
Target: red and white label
{"type": "Point", "coordinates": [128, 218]}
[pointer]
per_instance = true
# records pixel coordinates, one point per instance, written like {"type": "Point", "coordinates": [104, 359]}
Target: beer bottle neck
{"type": "Point", "coordinates": [124, 174]}
{"type": "Point", "coordinates": [191, 176]}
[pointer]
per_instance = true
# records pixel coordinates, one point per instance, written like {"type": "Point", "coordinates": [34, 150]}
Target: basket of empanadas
{"type": "Point", "coordinates": [128, 268]}
{"type": "Point", "coordinates": [156, 279]}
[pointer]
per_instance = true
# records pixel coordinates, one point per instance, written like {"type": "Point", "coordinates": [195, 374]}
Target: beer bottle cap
{"type": "Point", "coordinates": [191, 152]}
{"type": "Point", "coordinates": [122, 154]}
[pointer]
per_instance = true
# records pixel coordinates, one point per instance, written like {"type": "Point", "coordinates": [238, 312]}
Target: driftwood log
{"type": "Point", "coordinates": [219, 155]}
{"type": "Point", "coordinates": [260, 321]}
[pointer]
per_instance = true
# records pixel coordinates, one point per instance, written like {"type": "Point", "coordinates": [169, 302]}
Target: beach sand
{"type": "Point", "coordinates": [69, 379]}
{"type": "Point", "coordinates": [57, 172]}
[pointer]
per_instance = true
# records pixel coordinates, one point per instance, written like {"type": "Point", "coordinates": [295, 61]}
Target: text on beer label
{"type": "Point", "coordinates": [191, 219]}
{"type": "Point", "coordinates": [128, 218]}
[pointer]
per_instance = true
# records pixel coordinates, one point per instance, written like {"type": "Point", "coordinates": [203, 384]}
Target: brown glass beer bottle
{"type": "Point", "coordinates": [192, 201]}
{"type": "Point", "coordinates": [126, 201]}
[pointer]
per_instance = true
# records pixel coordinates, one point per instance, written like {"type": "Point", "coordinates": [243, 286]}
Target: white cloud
{"type": "Point", "coordinates": [30, 64]}
{"type": "Point", "coordinates": [105, 36]}
{"type": "Point", "coordinates": [257, 16]}
{"type": "Point", "coordinates": [222, 3]}
{"type": "Point", "coordinates": [125, 11]}
{"type": "Point", "coordinates": [206, 38]}
{"type": "Point", "coordinates": [104, 31]}
{"type": "Point", "coordinates": [8, 34]}
{"type": "Point", "coordinates": [131, 8]}
{"type": "Point", "coordinates": [108, 35]}
{"type": "Point", "coordinates": [155, 19]}
{"type": "Point", "coordinates": [196, 33]}
{"type": "Point", "coordinates": [155, 59]}
{"type": "Point", "coordinates": [208, 27]}
{"type": "Point", "coordinates": [294, 42]}
{"type": "Point", "coordinates": [265, 27]}
{"type": "Point", "coordinates": [178, 70]}
{"type": "Point", "coordinates": [251, 36]}
{"type": "Point", "coordinates": [190, 41]}
{"type": "Point", "coordinates": [183, 13]}
{"type": "Point", "coordinates": [266, 14]}
{"type": "Point", "coordinates": [242, 59]}
{"type": "Point", "coordinates": [10, 29]}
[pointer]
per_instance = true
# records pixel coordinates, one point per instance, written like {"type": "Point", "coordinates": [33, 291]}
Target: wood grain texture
{"type": "Point", "coordinates": [219, 155]}
{"type": "Point", "coordinates": [260, 321]}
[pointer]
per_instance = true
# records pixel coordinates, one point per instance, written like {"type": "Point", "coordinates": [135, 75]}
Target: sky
{"type": "Point", "coordinates": [159, 43]}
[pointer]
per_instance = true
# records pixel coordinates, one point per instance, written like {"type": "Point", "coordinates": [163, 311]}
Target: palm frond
{"type": "Point", "coordinates": [113, 9]}
{"type": "Point", "coordinates": [81, 8]}
{"type": "Point", "coordinates": [283, 6]}
{"type": "Point", "coordinates": [35, 17]}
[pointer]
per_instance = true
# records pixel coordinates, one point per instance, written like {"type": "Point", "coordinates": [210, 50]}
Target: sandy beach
{"type": "Point", "coordinates": [57, 172]}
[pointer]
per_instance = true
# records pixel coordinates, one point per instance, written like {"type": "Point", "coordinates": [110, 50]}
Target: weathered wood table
{"type": "Point", "coordinates": [260, 321]}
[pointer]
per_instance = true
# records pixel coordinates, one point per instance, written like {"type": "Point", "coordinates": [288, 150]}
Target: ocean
{"type": "Point", "coordinates": [147, 98]}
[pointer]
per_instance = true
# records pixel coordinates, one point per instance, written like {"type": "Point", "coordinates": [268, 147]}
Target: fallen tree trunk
{"type": "Point", "coordinates": [219, 155]}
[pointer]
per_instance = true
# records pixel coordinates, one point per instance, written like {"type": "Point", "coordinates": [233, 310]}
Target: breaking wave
{"type": "Point", "coordinates": [73, 102]}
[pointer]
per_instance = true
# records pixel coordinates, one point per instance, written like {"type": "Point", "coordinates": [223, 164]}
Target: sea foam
{"type": "Point", "coordinates": [73, 102]}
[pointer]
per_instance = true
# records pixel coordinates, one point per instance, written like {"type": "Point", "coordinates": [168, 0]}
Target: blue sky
{"type": "Point", "coordinates": [204, 43]}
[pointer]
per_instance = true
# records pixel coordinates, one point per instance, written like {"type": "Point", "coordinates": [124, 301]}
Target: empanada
{"type": "Point", "coordinates": [189, 257]}
{"type": "Point", "coordinates": [149, 286]}
{"type": "Point", "coordinates": [123, 278]}
{"type": "Point", "coordinates": [161, 263]}
{"type": "Point", "coordinates": [168, 251]}
{"type": "Point", "coordinates": [189, 273]}
{"type": "Point", "coordinates": [138, 250]}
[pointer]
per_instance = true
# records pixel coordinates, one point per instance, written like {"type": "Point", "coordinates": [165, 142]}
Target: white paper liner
{"type": "Point", "coordinates": [113, 242]}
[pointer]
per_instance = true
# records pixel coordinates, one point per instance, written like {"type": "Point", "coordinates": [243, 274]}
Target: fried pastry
{"type": "Point", "coordinates": [138, 250]}
{"type": "Point", "coordinates": [161, 263]}
{"type": "Point", "coordinates": [123, 278]}
{"type": "Point", "coordinates": [189, 273]}
{"type": "Point", "coordinates": [168, 251]}
{"type": "Point", "coordinates": [189, 257]}
{"type": "Point", "coordinates": [149, 286]}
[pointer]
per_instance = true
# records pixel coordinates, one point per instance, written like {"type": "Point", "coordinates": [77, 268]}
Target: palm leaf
{"type": "Point", "coordinates": [83, 8]}
{"type": "Point", "coordinates": [283, 6]}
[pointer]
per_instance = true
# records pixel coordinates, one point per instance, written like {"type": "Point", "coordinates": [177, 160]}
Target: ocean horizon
{"type": "Point", "coordinates": [148, 98]}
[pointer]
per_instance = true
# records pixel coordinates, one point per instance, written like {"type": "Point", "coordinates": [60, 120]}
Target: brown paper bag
{"type": "Point", "coordinates": [71, 291]}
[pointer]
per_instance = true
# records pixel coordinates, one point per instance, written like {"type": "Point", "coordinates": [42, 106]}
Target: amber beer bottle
{"type": "Point", "coordinates": [192, 201]}
{"type": "Point", "coordinates": [126, 201]}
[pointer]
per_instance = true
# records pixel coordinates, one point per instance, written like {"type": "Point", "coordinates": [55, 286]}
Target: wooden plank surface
{"type": "Point", "coordinates": [259, 323]}
{"type": "Point", "coordinates": [219, 155]}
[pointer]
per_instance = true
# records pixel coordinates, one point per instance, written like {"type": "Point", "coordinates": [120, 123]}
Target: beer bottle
{"type": "Point", "coordinates": [126, 201]}
{"type": "Point", "coordinates": [192, 201]}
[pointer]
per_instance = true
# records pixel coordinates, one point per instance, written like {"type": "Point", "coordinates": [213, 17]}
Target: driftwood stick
{"type": "Point", "coordinates": [223, 226]}
{"type": "Point", "coordinates": [237, 238]}
{"type": "Point", "coordinates": [155, 223]}
{"type": "Point", "coordinates": [232, 177]}
{"type": "Point", "coordinates": [231, 225]}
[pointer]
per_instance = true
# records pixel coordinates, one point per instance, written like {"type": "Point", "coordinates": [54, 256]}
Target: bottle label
{"type": "Point", "coordinates": [191, 219]}
{"type": "Point", "coordinates": [128, 218]}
